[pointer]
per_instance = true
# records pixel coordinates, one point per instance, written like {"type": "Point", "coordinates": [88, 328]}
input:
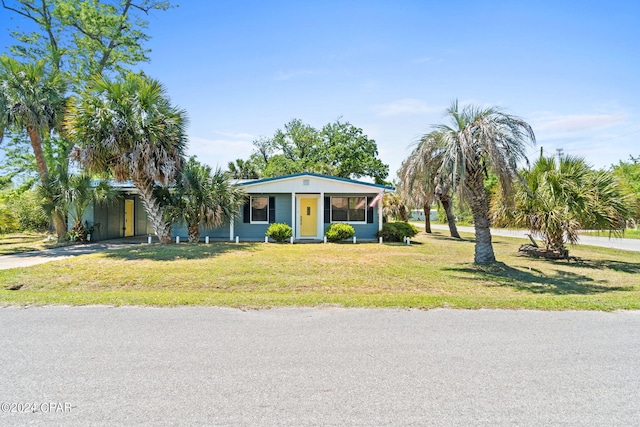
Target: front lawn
{"type": "Point", "coordinates": [433, 272]}
{"type": "Point", "coordinates": [27, 241]}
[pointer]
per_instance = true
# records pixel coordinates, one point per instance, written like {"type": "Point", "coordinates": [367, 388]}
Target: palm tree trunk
{"type": "Point", "coordinates": [57, 218]}
{"type": "Point", "coordinates": [36, 144]}
{"type": "Point", "coordinates": [154, 211]}
{"type": "Point", "coordinates": [427, 217]}
{"type": "Point", "coordinates": [60, 224]}
{"type": "Point", "coordinates": [480, 208]}
{"type": "Point", "coordinates": [447, 204]}
{"type": "Point", "coordinates": [194, 233]}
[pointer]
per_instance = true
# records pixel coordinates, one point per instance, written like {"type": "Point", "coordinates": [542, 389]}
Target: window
{"type": "Point", "coordinates": [259, 209]}
{"type": "Point", "coordinates": [348, 209]}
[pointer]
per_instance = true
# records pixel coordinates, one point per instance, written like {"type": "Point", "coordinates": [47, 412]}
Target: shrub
{"type": "Point", "coordinates": [279, 232]}
{"type": "Point", "coordinates": [27, 209]}
{"type": "Point", "coordinates": [397, 231]}
{"type": "Point", "coordinates": [339, 231]}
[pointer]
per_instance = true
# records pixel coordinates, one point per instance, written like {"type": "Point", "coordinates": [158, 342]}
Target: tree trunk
{"type": "Point", "coordinates": [194, 233]}
{"type": "Point", "coordinates": [154, 211]}
{"type": "Point", "coordinates": [480, 208]}
{"type": "Point", "coordinates": [60, 224]}
{"type": "Point", "coordinates": [36, 144]}
{"type": "Point", "coordinates": [427, 217]}
{"type": "Point", "coordinates": [448, 209]}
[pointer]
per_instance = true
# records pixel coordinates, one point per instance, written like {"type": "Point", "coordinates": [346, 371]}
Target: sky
{"type": "Point", "coordinates": [243, 69]}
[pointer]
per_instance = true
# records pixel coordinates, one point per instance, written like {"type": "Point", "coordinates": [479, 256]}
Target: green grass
{"type": "Point", "coordinates": [628, 234]}
{"type": "Point", "coordinates": [26, 241]}
{"type": "Point", "coordinates": [436, 271]}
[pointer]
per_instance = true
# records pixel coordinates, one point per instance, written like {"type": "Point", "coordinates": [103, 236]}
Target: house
{"type": "Point", "coordinates": [307, 202]}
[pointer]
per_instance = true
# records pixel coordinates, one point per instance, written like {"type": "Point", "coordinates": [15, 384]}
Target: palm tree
{"type": "Point", "coordinates": [130, 130]}
{"type": "Point", "coordinates": [242, 169]}
{"type": "Point", "coordinates": [478, 141]}
{"type": "Point", "coordinates": [394, 206]}
{"type": "Point", "coordinates": [204, 198]}
{"type": "Point", "coordinates": [424, 180]}
{"type": "Point", "coordinates": [564, 196]}
{"type": "Point", "coordinates": [81, 192]}
{"type": "Point", "coordinates": [32, 98]}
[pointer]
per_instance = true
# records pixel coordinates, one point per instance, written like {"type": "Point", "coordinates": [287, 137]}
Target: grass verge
{"type": "Point", "coordinates": [629, 233]}
{"type": "Point", "coordinates": [27, 241]}
{"type": "Point", "coordinates": [433, 272]}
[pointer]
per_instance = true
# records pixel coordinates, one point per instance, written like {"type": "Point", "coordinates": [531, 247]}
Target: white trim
{"type": "Point", "coordinates": [231, 226]}
{"type": "Point", "coordinates": [348, 197]}
{"type": "Point", "coordinates": [294, 227]}
{"type": "Point", "coordinates": [380, 211]}
{"type": "Point", "coordinates": [251, 221]}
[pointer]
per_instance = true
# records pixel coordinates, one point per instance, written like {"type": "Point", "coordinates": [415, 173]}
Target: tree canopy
{"type": "Point", "coordinates": [338, 149]}
{"type": "Point", "coordinates": [560, 197]}
{"type": "Point", "coordinates": [83, 38]}
{"type": "Point", "coordinates": [129, 129]}
{"type": "Point", "coordinates": [478, 141]}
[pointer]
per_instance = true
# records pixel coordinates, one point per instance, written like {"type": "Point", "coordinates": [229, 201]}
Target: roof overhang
{"type": "Point", "coordinates": [308, 182]}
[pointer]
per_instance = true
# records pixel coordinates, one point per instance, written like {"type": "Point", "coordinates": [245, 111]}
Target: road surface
{"type": "Point", "coordinates": [103, 366]}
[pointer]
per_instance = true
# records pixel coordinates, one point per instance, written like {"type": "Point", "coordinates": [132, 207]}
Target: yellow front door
{"type": "Point", "coordinates": [128, 218]}
{"type": "Point", "coordinates": [308, 217]}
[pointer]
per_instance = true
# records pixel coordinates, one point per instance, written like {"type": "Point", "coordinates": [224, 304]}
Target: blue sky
{"type": "Point", "coordinates": [242, 69]}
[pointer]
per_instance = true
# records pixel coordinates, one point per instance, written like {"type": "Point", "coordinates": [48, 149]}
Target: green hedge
{"type": "Point", "coordinates": [339, 231]}
{"type": "Point", "coordinates": [279, 232]}
{"type": "Point", "coordinates": [397, 231]}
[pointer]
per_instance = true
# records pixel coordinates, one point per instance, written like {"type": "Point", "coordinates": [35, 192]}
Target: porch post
{"type": "Point", "coordinates": [320, 215]}
{"type": "Point", "coordinates": [294, 219]}
{"type": "Point", "coordinates": [380, 211]}
{"type": "Point", "coordinates": [231, 221]}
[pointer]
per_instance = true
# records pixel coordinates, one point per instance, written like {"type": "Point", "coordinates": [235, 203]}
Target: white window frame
{"type": "Point", "coordinates": [251, 210]}
{"type": "Point", "coordinates": [349, 197]}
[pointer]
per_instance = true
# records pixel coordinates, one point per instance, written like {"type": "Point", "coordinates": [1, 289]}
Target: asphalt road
{"type": "Point", "coordinates": [603, 241]}
{"type": "Point", "coordinates": [102, 366]}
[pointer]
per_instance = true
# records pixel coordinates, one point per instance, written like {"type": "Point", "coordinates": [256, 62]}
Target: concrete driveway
{"type": "Point", "coordinates": [26, 259]}
{"type": "Point", "coordinates": [102, 366]}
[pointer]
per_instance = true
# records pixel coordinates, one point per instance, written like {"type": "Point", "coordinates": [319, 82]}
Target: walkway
{"type": "Point", "coordinates": [27, 259]}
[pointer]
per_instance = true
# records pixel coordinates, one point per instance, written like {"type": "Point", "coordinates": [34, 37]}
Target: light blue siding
{"type": "Point", "coordinates": [363, 230]}
{"type": "Point", "coordinates": [247, 231]}
{"type": "Point", "coordinates": [180, 229]}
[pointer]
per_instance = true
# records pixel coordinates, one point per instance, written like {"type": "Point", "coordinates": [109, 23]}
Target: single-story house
{"type": "Point", "coordinates": [307, 202]}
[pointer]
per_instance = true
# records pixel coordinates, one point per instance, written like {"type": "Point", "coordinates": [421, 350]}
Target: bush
{"type": "Point", "coordinates": [279, 232]}
{"type": "Point", "coordinates": [397, 231]}
{"type": "Point", "coordinates": [339, 231]}
{"type": "Point", "coordinates": [27, 209]}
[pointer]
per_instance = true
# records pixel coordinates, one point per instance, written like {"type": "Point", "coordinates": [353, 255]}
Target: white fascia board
{"type": "Point", "coordinates": [309, 184]}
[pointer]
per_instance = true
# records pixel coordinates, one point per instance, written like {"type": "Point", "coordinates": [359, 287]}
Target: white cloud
{"type": "Point", "coordinates": [403, 107]}
{"type": "Point", "coordinates": [580, 122]}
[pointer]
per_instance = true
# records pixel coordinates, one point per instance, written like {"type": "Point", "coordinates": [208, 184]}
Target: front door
{"type": "Point", "coordinates": [128, 218]}
{"type": "Point", "coordinates": [308, 217]}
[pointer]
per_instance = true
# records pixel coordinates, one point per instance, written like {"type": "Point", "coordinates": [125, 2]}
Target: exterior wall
{"type": "Point", "coordinates": [363, 230]}
{"type": "Point", "coordinates": [247, 231]}
{"type": "Point", "coordinates": [181, 229]}
{"type": "Point", "coordinates": [108, 220]}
